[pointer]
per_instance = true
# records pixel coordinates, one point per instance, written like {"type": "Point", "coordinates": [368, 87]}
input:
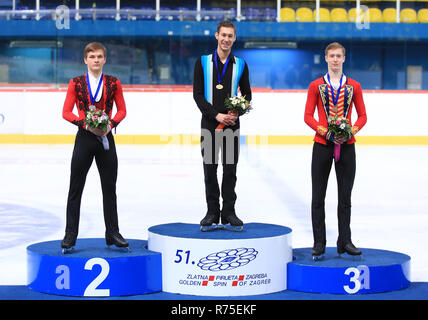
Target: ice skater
{"type": "Point", "coordinates": [99, 90]}
{"type": "Point", "coordinates": [333, 95]}
{"type": "Point", "coordinates": [217, 76]}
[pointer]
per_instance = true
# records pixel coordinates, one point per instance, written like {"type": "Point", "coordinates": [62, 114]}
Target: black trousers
{"type": "Point", "coordinates": [86, 148]}
{"type": "Point", "coordinates": [214, 143]}
{"type": "Point", "coordinates": [322, 158]}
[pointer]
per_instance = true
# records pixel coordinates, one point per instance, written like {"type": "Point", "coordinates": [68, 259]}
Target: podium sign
{"type": "Point", "coordinates": [222, 263]}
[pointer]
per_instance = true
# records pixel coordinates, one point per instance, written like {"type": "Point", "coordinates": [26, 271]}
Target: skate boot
{"type": "Point", "coordinates": [349, 248]}
{"type": "Point", "coordinates": [231, 222]}
{"type": "Point", "coordinates": [117, 240]}
{"type": "Point", "coordinates": [68, 242]}
{"type": "Point", "coordinates": [318, 251]}
{"type": "Point", "coordinates": [210, 221]}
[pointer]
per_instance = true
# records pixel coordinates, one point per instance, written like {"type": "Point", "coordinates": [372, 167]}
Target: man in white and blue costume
{"type": "Point", "coordinates": [218, 76]}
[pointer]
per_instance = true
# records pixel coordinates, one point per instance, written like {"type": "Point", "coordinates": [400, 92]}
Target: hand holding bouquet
{"type": "Point", "coordinates": [98, 123]}
{"type": "Point", "coordinates": [236, 105]}
{"type": "Point", "coordinates": [338, 127]}
{"type": "Point", "coordinates": [97, 119]}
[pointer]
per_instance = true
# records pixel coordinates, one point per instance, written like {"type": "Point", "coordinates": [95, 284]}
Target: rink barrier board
{"type": "Point", "coordinates": [194, 139]}
{"type": "Point", "coordinates": [92, 269]}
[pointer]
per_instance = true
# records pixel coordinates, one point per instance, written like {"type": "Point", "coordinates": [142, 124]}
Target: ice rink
{"type": "Point", "coordinates": [163, 184]}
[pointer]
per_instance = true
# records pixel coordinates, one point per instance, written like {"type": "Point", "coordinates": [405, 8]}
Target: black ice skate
{"type": "Point", "coordinates": [210, 221]}
{"type": "Point", "coordinates": [318, 251]}
{"type": "Point", "coordinates": [231, 222]}
{"type": "Point", "coordinates": [117, 240]}
{"type": "Point", "coordinates": [349, 248]}
{"type": "Point", "coordinates": [68, 242]}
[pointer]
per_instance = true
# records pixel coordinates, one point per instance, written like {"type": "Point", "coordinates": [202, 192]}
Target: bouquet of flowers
{"type": "Point", "coordinates": [236, 105]}
{"type": "Point", "coordinates": [340, 126]}
{"type": "Point", "coordinates": [97, 119]}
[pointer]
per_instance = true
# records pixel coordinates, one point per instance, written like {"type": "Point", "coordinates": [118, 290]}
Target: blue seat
{"type": "Point", "coordinates": [21, 16]}
{"type": "Point", "coordinates": [146, 16]}
{"type": "Point", "coordinates": [269, 14]}
{"type": "Point", "coordinates": [251, 14]}
{"type": "Point", "coordinates": [106, 16]}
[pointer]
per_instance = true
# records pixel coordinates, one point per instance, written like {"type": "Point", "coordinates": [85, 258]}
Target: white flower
{"type": "Point", "coordinates": [342, 126]}
{"type": "Point", "coordinates": [234, 102]}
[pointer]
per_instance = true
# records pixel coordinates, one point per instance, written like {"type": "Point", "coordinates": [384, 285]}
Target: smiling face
{"type": "Point", "coordinates": [225, 37]}
{"type": "Point", "coordinates": [335, 59]}
{"type": "Point", "coordinates": [95, 61]}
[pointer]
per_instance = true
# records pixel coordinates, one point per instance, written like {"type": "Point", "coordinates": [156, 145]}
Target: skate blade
{"type": "Point", "coordinates": [229, 227]}
{"type": "Point", "coordinates": [209, 228]}
{"type": "Point", "coordinates": [121, 249]}
{"type": "Point", "coordinates": [67, 250]}
{"type": "Point", "coordinates": [350, 256]}
{"type": "Point", "coordinates": [318, 258]}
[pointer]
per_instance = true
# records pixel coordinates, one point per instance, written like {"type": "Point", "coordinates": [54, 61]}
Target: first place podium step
{"type": "Point", "coordinates": [93, 269]}
{"type": "Point", "coordinates": [222, 262]}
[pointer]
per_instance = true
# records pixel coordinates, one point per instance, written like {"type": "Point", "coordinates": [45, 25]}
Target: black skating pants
{"type": "Point", "coordinates": [214, 144]}
{"type": "Point", "coordinates": [322, 158]}
{"type": "Point", "coordinates": [86, 148]}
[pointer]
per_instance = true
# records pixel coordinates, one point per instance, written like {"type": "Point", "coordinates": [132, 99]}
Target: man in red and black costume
{"type": "Point", "coordinates": [333, 94]}
{"type": "Point", "coordinates": [94, 89]}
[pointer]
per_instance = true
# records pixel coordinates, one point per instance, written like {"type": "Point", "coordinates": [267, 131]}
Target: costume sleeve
{"type": "Point", "coordinates": [206, 108]}
{"type": "Point", "coordinates": [244, 83]}
{"type": "Point", "coordinates": [311, 103]}
{"type": "Point", "coordinates": [360, 108]}
{"type": "Point", "coordinates": [70, 101]}
{"type": "Point", "coordinates": [120, 105]}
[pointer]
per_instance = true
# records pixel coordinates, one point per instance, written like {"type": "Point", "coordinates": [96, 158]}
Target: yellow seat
{"type": "Point", "coordinates": [423, 15]}
{"type": "Point", "coordinates": [338, 15]}
{"type": "Point", "coordinates": [408, 16]}
{"type": "Point", "coordinates": [352, 15]}
{"type": "Point", "coordinates": [324, 15]}
{"type": "Point", "coordinates": [389, 15]}
{"type": "Point", "coordinates": [287, 15]}
{"type": "Point", "coordinates": [304, 15]}
{"type": "Point", "coordinates": [375, 15]}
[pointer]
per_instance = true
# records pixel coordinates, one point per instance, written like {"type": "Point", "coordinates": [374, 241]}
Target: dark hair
{"type": "Point", "coordinates": [94, 46]}
{"type": "Point", "coordinates": [335, 45]}
{"type": "Point", "coordinates": [226, 24]}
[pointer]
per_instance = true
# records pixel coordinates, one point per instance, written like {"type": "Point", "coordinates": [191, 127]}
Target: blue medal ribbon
{"type": "Point", "coordinates": [224, 68]}
{"type": "Point", "coordinates": [102, 139]}
{"type": "Point", "coordinates": [335, 99]}
{"type": "Point", "coordinates": [89, 87]}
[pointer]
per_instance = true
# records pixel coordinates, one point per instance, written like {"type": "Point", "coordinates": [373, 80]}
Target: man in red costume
{"type": "Point", "coordinates": [99, 90]}
{"type": "Point", "coordinates": [333, 94]}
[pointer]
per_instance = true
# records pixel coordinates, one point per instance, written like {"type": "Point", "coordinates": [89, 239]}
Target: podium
{"type": "Point", "coordinates": [93, 269]}
{"type": "Point", "coordinates": [178, 258]}
{"type": "Point", "coordinates": [222, 262]}
{"type": "Point", "coordinates": [375, 271]}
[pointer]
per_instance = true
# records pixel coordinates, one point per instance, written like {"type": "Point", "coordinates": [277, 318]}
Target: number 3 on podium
{"type": "Point", "coordinates": [360, 278]}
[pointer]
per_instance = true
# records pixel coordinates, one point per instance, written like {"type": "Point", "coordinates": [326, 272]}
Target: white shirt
{"type": "Point", "coordinates": [94, 85]}
{"type": "Point", "coordinates": [335, 85]}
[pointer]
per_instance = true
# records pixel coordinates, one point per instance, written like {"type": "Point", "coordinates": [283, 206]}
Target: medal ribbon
{"type": "Point", "coordinates": [89, 86]}
{"type": "Point", "coordinates": [335, 99]}
{"type": "Point", "coordinates": [224, 68]}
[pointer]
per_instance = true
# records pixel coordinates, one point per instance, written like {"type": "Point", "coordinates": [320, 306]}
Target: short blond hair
{"type": "Point", "coordinates": [93, 46]}
{"type": "Point", "coordinates": [335, 45]}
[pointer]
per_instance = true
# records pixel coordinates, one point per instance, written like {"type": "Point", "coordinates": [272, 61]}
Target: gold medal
{"type": "Point", "coordinates": [219, 86]}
